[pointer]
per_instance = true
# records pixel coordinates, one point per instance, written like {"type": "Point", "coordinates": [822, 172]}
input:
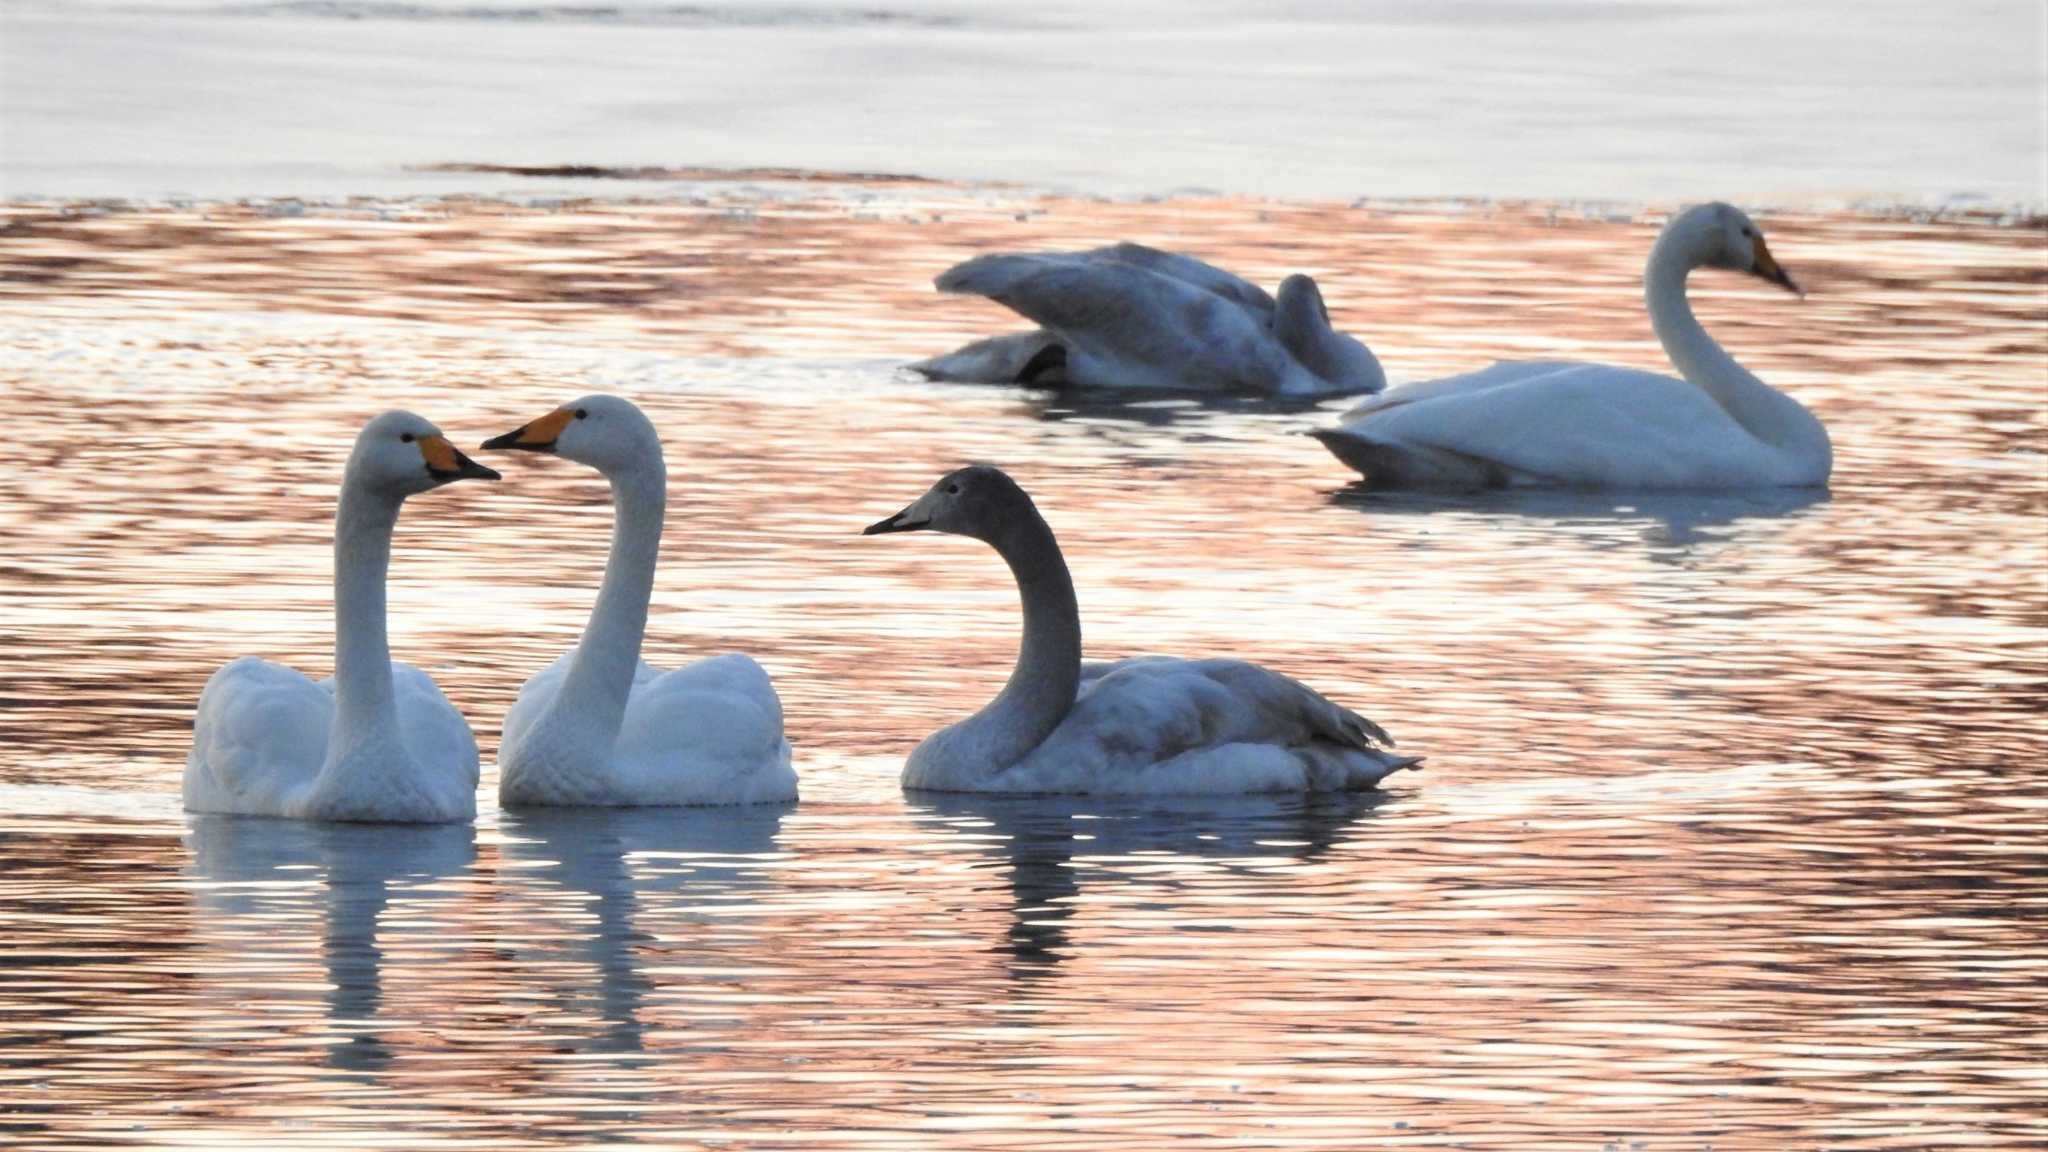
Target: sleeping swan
{"type": "Point", "coordinates": [1595, 425]}
{"type": "Point", "coordinates": [1128, 316]}
{"type": "Point", "coordinates": [1149, 726]}
{"type": "Point", "coordinates": [600, 727]}
{"type": "Point", "coordinates": [376, 741]}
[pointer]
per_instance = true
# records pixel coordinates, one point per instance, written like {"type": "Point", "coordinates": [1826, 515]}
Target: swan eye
{"type": "Point", "coordinates": [406, 438]}
{"type": "Point", "coordinates": [583, 413]}
{"type": "Point", "coordinates": [952, 489]}
{"type": "Point", "coordinates": [1746, 233]}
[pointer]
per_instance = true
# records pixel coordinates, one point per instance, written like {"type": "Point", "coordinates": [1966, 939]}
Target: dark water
{"type": "Point", "coordinates": [1730, 833]}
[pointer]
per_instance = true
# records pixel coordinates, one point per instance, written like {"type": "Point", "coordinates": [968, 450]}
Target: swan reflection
{"type": "Point", "coordinates": [608, 884]}
{"type": "Point", "coordinates": [1666, 518]}
{"type": "Point", "coordinates": [259, 881]}
{"type": "Point", "coordinates": [1050, 843]}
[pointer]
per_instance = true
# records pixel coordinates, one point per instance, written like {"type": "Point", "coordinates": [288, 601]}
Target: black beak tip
{"type": "Point", "coordinates": [894, 523]}
{"type": "Point", "coordinates": [474, 471]}
{"type": "Point", "coordinates": [508, 440]}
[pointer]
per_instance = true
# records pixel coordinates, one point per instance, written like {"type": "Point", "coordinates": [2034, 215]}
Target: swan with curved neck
{"type": "Point", "coordinates": [1147, 726]}
{"type": "Point", "coordinates": [1596, 425]}
{"type": "Point", "coordinates": [1127, 316]}
{"type": "Point", "coordinates": [377, 741]}
{"type": "Point", "coordinates": [602, 727]}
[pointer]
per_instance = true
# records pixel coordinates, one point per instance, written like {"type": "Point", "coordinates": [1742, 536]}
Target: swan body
{"type": "Point", "coordinates": [1128, 316]}
{"type": "Point", "coordinates": [600, 727]}
{"type": "Point", "coordinates": [1554, 423]}
{"type": "Point", "coordinates": [1147, 726]}
{"type": "Point", "coordinates": [377, 741]}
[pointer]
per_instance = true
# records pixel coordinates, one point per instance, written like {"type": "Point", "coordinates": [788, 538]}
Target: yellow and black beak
{"type": "Point", "coordinates": [447, 464]}
{"type": "Point", "coordinates": [1766, 266]}
{"type": "Point", "coordinates": [538, 436]}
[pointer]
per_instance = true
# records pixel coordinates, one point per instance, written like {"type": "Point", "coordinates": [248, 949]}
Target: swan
{"type": "Point", "coordinates": [1128, 316]}
{"type": "Point", "coordinates": [1146, 726]}
{"type": "Point", "coordinates": [599, 727]}
{"type": "Point", "coordinates": [376, 741]}
{"type": "Point", "coordinates": [1595, 425]}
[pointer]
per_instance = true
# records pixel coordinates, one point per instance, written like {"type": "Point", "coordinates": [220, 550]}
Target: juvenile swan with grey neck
{"type": "Point", "coordinates": [1147, 726]}
{"type": "Point", "coordinates": [376, 741]}
{"type": "Point", "coordinates": [601, 727]}
{"type": "Point", "coordinates": [1599, 426]}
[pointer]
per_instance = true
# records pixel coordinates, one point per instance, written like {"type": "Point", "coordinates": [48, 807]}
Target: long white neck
{"type": "Point", "coordinates": [1041, 688]}
{"type": "Point", "coordinates": [1767, 414]}
{"type": "Point", "coordinates": [600, 676]}
{"type": "Point", "coordinates": [363, 524]}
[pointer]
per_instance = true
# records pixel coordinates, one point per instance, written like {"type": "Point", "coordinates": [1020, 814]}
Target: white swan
{"type": "Point", "coordinates": [1128, 316]}
{"type": "Point", "coordinates": [1595, 425]}
{"type": "Point", "coordinates": [1148, 726]}
{"type": "Point", "coordinates": [376, 741]}
{"type": "Point", "coordinates": [601, 727]}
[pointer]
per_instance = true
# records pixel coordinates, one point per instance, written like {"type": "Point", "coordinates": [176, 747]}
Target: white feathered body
{"type": "Point", "coordinates": [707, 733]}
{"type": "Point", "coordinates": [1155, 726]}
{"type": "Point", "coordinates": [260, 748]}
{"type": "Point", "coordinates": [1560, 424]}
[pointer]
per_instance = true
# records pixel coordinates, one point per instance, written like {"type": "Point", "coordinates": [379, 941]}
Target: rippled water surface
{"type": "Point", "coordinates": [1731, 833]}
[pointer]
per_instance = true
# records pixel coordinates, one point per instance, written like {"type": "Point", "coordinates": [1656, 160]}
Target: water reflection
{"type": "Point", "coordinates": [256, 874]}
{"type": "Point", "coordinates": [1670, 519]}
{"type": "Point", "coordinates": [612, 884]}
{"type": "Point", "coordinates": [1049, 842]}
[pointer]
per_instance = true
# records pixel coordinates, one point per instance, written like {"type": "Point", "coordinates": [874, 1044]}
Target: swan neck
{"type": "Point", "coordinates": [1762, 411]}
{"type": "Point", "coordinates": [600, 676]}
{"type": "Point", "coordinates": [1041, 688]}
{"type": "Point", "coordinates": [363, 524]}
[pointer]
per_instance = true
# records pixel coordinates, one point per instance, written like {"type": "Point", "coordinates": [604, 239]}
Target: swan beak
{"type": "Point", "coordinates": [1763, 264]}
{"type": "Point", "coordinates": [901, 522]}
{"type": "Point", "coordinates": [447, 464]}
{"type": "Point", "coordinates": [538, 436]}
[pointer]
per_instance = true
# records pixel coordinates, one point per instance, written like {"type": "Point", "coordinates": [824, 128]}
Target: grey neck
{"type": "Point", "coordinates": [1042, 687]}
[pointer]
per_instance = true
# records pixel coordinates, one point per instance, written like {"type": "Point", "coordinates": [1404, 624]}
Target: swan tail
{"type": "Point", "coordinates": [1392, 464]}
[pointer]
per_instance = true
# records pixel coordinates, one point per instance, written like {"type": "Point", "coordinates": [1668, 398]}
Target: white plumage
{"type": "Point", "coordinates": [600, 726]}
{"type": "Point", "coordinates": [1128, 316]}
{"type": "Point", "coordinates": [1556, 423]}
{"type": "Point", "coordinates": [377, 741]}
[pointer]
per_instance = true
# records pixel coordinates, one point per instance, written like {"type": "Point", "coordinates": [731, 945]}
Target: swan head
{"type": "Point", "coordinates": [403, 455]}
{"type": "Point", "coordinates": [609, 433]}
{"type": "Point", "coordinates": [978, 500]}
{"type": "Point", "coordinates": [1299, 298]}
{"type": "Point", "coordinates": [1720, 235]}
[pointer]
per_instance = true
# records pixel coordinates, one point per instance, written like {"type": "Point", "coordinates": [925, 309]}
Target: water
{"type": "Point", "coordinates": [1821, 102]}
{"type": "Point", "coordinates": [1730, 833]}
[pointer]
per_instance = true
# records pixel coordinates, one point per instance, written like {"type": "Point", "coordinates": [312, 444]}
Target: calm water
{"type": "Point", "coordinates": [1822, 101]}
{"type": "Point", "coordinates": [1731, 834]}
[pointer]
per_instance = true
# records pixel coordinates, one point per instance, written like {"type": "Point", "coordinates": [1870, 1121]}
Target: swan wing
{"type": "Point", "coordinates": [707, 733]}
{"type": "Point", "coordinates": [259, 739]}
{"type": "Point", "coordinates": [1189, 270]}
{"type": "Point", "coordinates": [438, 739]}
{"type": "Point", "coordinates": [1126, 326]}
{"type": "Point", "coordinates": [1589, 425]}
{"type": "Point", "coordinates": [534, 697]}
{"type": "Point", "coordinates": [1163, 726]}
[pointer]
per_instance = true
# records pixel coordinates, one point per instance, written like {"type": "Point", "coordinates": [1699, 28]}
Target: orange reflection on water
{"type": "Point", "coordinates": [1729, 832]}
